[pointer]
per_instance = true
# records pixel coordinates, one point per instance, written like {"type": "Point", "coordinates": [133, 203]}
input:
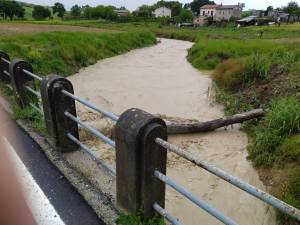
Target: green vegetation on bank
{"type": "Point", "coordinates": [228, 31]}
{"type": "Point", "coordinates": [64, 53]}
{"type": "Point", "coordinates": [263, 72]}
{"type": "Point", "coordinates": [138, 219]}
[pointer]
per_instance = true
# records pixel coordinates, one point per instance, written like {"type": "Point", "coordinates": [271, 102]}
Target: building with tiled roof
{"type": "Point", "coordinates": [221, 12]}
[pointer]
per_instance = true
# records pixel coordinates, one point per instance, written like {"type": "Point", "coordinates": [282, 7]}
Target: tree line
{"type": "Point", "coordinates": [180, 13]}
{"type": "Point", "coordinates": [11, 9]}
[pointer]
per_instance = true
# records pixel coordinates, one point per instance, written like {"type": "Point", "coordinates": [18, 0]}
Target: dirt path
{"type": "Point", "coordinates": [17, 28]}
{"type": "Point", "coordinates": [161, 81]}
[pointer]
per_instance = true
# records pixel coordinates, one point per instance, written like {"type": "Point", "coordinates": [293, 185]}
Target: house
{"type": "Point", "coordinates": [122, 12]}
{"type": "Point", "coordinates": [208, 10]}
{"type": "Point", "coordinates": [221, 12]}
{"type": "Point", "coordinates": [162, 12]}
{"type": "Point", "coordinates": [227, 12]}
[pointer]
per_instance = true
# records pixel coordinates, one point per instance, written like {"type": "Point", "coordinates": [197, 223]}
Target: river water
{"type": "Point", "coordinates": [160, 80]}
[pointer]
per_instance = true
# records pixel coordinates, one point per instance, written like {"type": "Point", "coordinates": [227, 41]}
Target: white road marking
{"type": "Point", "coordinates": [42, 210]}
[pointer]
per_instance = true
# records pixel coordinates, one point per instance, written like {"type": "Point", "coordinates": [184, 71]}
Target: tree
{"type": "Point", "coordinates": [76, 11]}
{"type": "Point", "coordinates": [175, 6]}
{"type": "Point", "coordinates": [176, 9]}
{"type": "Point", "coordinates": [11, 9]}
{"type": "Point", "coordinates": [103, 12]}
{"type": "Point", "coordinates": [196, 4]}
{"type": "Point", "coordinates": [109, 13]}
{"type": "Point", "coordinates": [270, 8]}
{"type": "Point", "coordinates": [144, 11]}
{"type": "Point", "coordinates": [59, 9]}
{"type": "Point", "coordinates": [292, 8]}
{"type": "Point", "coordinates": [186, 15]}
{"type": "Point", "coordinates": [40, 12]}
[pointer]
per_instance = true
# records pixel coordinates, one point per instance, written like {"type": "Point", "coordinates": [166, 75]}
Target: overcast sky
{"type": "Point", "coordinates": [133, 4]}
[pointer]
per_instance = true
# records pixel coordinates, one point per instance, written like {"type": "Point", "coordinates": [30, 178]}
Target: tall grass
{"type": "Point", "coordinates": [207, 54]}
{"type": "Point", "coordinates": [282, 120]}
{"type": "Point", "coordinates": [236, 73]}
{"type": "Point", "coordinates": [65, 53]}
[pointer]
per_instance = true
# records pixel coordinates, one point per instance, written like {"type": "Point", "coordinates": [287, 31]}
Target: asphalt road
{"type": "Point", "coordinates": [66, 201]}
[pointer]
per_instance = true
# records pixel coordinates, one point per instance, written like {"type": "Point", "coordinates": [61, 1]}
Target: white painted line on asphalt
{"type": "Point", "coordinates": [42, 210]}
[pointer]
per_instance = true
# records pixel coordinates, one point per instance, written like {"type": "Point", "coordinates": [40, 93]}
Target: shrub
{"type": "Point", "coordinates": [229, 74]}
{"type": "Point", "coordinates": [234, 73]}
{"type": "Point", "coordinates": [282, 120]}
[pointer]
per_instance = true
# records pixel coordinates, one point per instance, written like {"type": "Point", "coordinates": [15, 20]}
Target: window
{"type": "Point", "coordinates": [203, 13]}
{"type": "Point", "coordinates": [212, 13]}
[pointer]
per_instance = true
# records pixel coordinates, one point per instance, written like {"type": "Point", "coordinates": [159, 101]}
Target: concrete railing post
{"type": "Point", "coordinates": [55, 104]}
{"type": "Point", "coordinates": [137, 157]}
{"type": "Point", "coordinates": [19, 79]}
{"type": "Point", "coordinates": [4, 66]}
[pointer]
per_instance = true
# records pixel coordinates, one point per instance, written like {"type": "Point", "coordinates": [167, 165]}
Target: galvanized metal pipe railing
{"type": "Point", "coordinates": [199, 202]}
{"type": "Point", "coordinates": [166, 215]}
{"type": "Point", "coordinates": [32, 75]}
{"type": "Point", "coordinates": [91, 153]}
{"type": "Point", "coordinates": [92, 106]}
{"type": "Point", "coordinates": [36, 108]}
{"type": "Point", "coordinates": [5, 60]}
{"type": "Point", "coordinates": [264, 196]}
{"type": "Point", "coordinates": [32, 91]}
{"type": "Point", "coordinates": [91, 129]}
{"type": "Point", "coordinates": [6, 73]}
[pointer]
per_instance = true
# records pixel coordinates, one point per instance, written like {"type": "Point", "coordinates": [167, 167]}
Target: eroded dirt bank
{"type": "Point", "coordinates": [159, 80]}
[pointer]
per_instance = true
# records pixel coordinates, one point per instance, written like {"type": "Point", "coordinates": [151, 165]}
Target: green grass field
{"type": "Point", "coordinates": [63, 52]}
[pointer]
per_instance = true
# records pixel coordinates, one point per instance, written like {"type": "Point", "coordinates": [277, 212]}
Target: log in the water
{"type": "Point", "coordinates": [175, 128]}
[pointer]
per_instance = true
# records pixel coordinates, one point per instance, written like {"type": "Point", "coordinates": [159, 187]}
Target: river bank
{"type": "Point", "coordinates": [160, 80]}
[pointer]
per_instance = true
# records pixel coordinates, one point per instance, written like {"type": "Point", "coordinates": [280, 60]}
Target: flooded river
{"type": "Point", "coordinates": [159, 80]}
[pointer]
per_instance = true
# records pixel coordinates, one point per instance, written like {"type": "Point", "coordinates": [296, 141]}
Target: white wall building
{"type": "Point", "coordinates": [162, 12]}
{"type": "Point", "coordinates": [222, 12]}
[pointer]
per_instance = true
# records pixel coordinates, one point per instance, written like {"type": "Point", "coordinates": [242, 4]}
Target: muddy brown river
{"type": "Point", "coordinates": [160, 80]}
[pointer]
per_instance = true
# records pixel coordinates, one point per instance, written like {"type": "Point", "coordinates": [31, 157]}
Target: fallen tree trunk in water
{"type": "Point", "coordinates": [175, 128]}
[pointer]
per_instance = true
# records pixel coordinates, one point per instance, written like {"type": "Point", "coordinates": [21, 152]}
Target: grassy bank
{"type": "Point", "coordinates": [65, 53]}
{"type": "Point", "coordinates": [189, 34]}
{"type": "Point", "coordinates": [252, 73]}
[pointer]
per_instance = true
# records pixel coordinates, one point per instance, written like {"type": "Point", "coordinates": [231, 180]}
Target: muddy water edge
{"type": "Point", "coordinates": [160, 80]}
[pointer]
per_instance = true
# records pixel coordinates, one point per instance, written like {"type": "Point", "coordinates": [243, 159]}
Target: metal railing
{"type": "Point", "coordinates": [7, 62]}
{"type": "Point", "coordinates": [161, 211]}
{"type": "Point", "coordinates": [37, 107]}
{"type": "Point", "coordinates": [91, 153]}
{"type": "Point", "coordinates": [32, 75]}
{"type": "Point", "coordinates": [90, 129]}
{"type": "Point", "coordinates": [140, 148]}
{"type": "Point", "coordinates": [92, 106]}
{"type": "Point", "coordinates": [265, 197]}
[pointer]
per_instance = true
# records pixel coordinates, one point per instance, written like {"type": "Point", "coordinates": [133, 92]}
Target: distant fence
{"type": "Point", "coordinates": [140, 144]}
